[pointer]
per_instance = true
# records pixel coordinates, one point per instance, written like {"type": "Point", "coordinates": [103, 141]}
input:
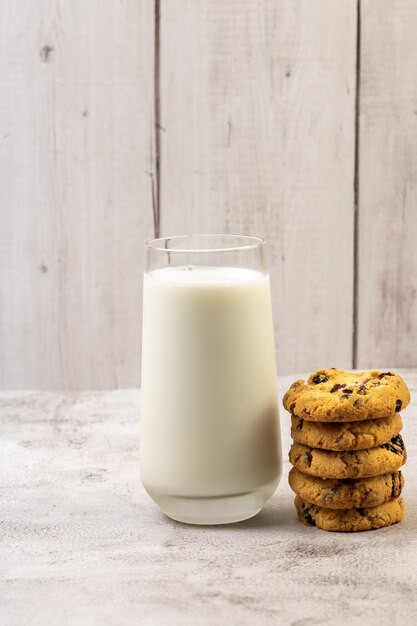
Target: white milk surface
{"type": "Point", "coordinates": [209, 418]}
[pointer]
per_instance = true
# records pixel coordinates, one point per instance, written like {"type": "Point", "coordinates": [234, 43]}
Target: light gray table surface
{"type": "Point", "coordinates": [81, 543]}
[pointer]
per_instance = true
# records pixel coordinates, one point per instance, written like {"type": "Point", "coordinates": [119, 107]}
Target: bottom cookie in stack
{"type": "Point", "coordinates": [350, 520]}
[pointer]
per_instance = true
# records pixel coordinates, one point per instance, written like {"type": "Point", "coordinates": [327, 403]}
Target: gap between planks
{"type": "Point", "coordinates": [356, 193]}
{"type": "Point", "coordinates": [156, 189]}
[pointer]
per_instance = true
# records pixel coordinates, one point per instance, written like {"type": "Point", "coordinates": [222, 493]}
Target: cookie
{"type": "Point", "coordinates": [350, 520]}
{"type": "Point", "coordinates": [338, 396]}
{"type": "Point", "coordinates": [387, 457]}
{"type": "Point", "coordinates": [347, 493]}
{"type": "Point", "coordinates": [346, 435]}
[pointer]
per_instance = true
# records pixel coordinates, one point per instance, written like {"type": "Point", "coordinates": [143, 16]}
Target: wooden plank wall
{"type": "Point", "coordinates": [387, 233]}
{"type": "Point", "coordinates": [258, 98]}
{"type": "Point", "coordinates": [77, 154]}
{"type": "Point", "coordinates": [119, 121]}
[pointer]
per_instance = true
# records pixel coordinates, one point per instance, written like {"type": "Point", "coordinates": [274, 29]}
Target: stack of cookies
{"type": "Point", "coordinates": [347, 449]}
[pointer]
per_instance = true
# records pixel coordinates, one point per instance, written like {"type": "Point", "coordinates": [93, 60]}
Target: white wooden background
{"type": "Point", "coordinates": [125, 119]}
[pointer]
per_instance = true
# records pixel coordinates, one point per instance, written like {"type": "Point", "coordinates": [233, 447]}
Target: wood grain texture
{"type": "Point", "coordinates": [83, 544]}
{"type": "Point", "coordinates": [76, 162]}
{"type": "Point", "coordinates": [257, 115]}
{"type": "Point", "coordinates": [255, 108]}
{"type": "Point", "coordinates": [387, 280]}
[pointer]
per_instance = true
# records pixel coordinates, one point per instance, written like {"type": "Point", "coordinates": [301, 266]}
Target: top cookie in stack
{"type": "Point", "coordinates": [347, 449]}
{"type": "Point", "coordinates": [338, 396]}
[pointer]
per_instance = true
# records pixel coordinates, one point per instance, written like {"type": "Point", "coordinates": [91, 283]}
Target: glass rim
{"type": "Point", "coordinates": [254, 242]}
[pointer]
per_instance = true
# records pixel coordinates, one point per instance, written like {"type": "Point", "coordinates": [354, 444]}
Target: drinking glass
{"type": "Point", "coordinates": [210, 435]}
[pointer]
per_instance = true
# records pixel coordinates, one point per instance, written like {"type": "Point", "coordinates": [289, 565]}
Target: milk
{"type": "Point", "coordinates": [209, 417]}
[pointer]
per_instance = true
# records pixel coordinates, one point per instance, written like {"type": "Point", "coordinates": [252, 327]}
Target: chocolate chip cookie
{"type": "Point", "coordinates": [385, 458]}
{"type": "Point", "coordinates": [350, 520]}
{"type": "Point", "coordinates": [338, 396]}
{"type": "Point", "coordinates": [346, 435]}
{"type": "Point", "coordinates": [346, 493]}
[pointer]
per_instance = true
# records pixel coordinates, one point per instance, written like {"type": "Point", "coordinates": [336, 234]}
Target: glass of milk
{"type": "Point", "coordinates": [210, 435]}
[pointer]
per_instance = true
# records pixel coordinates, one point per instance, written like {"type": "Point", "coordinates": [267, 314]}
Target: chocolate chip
{"type": "Point", "coordinates": [396, 445]}
{"type": "Point", "coordinates": [308, 518]}
{"type": "Point", "coordinates": [357, 402]}
{"type": "Point", "coordinates": [361, 512]}
{"type": "Point", "coordinates": [292, 406]}
{"type": "Point", "coordinates": [362, 391]}
{"type": "Point", "coordinates": [382, 374]}
{"type": "Point", "coordinates": [393, 486]}
{"type": "Point", "coordinates": [398, 441]}
{"type": "Point", "coordinates": [398, 406]}
{"type": "Point", "coordinates": [308, 457]}
{"type": "Point", "coordinates": [320, 378]}
{"type": "Point", "coordinates": [348, 391]}
{"type": "Point", "coordinates": [396, 484]}
{"type": "Point", "coordinates": [299, 427]}
{"type": "Point", "coordinates": [345, 396]}
{"type": "Point", "coordinates": [336, 387]}
{"type": "Point", "coordinates": [348, 456]}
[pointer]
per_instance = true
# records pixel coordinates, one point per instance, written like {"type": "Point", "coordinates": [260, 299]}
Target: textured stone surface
{"type": "Point", "coordinates": [82, 543]}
